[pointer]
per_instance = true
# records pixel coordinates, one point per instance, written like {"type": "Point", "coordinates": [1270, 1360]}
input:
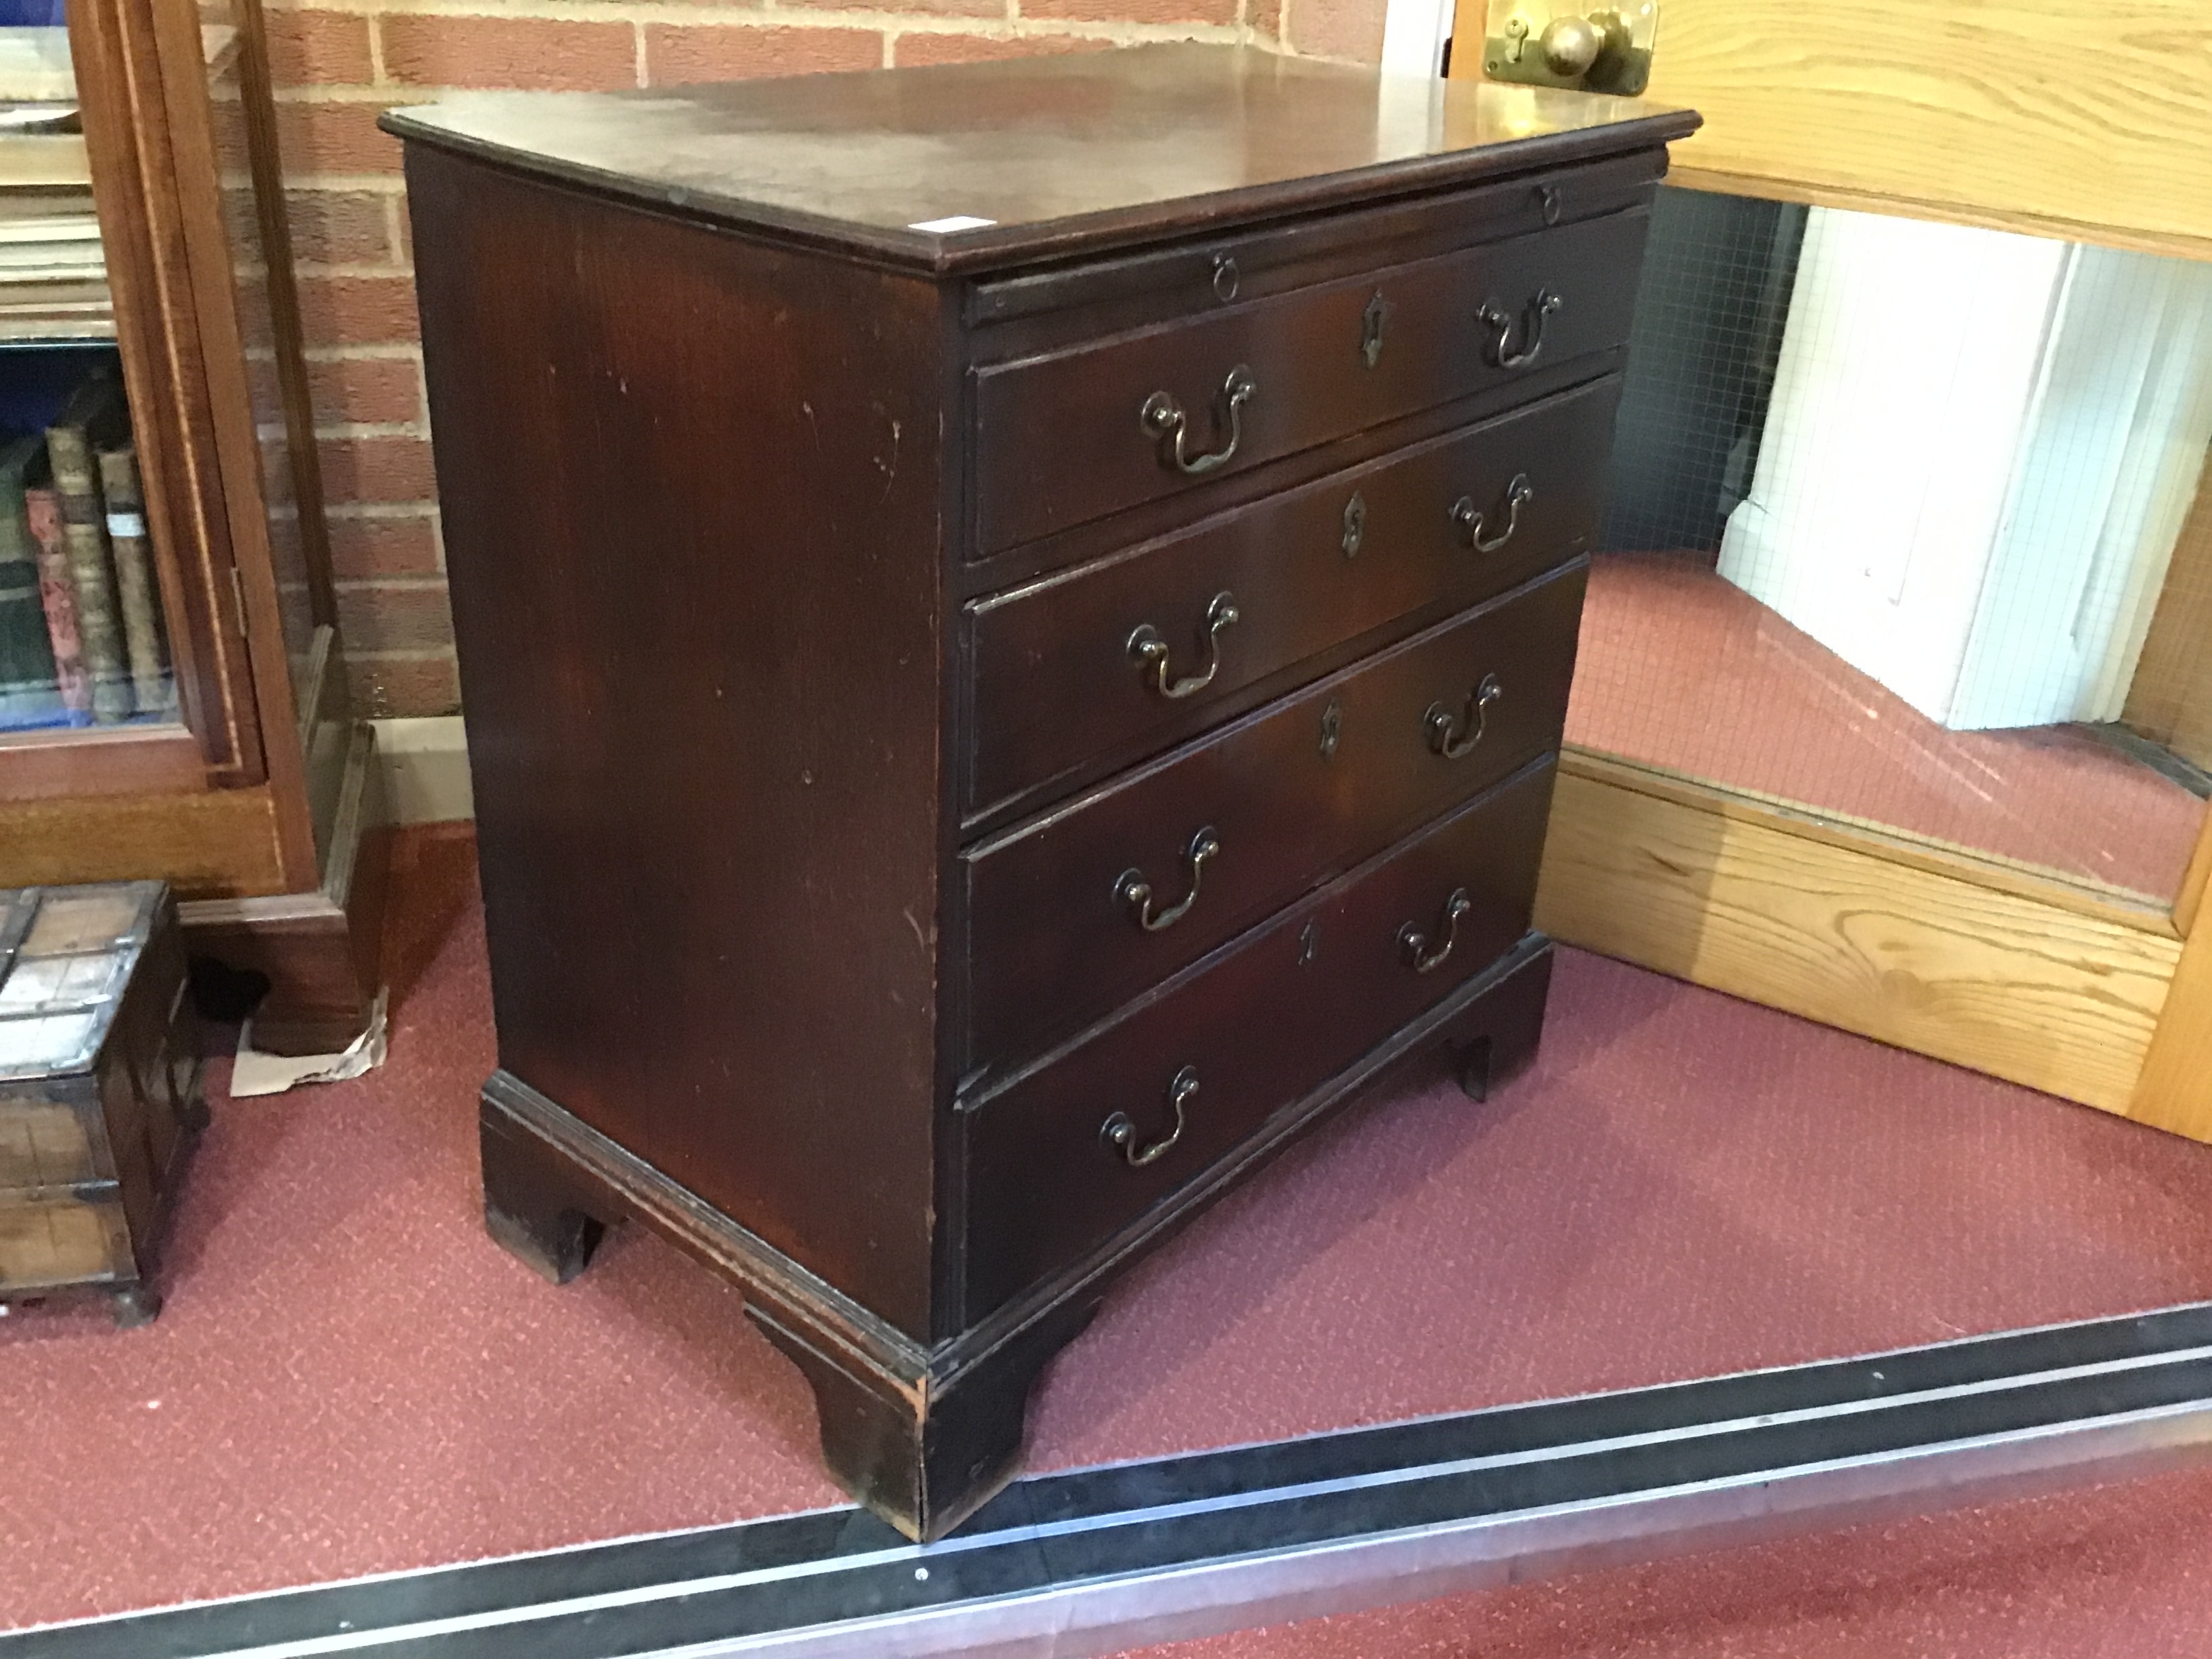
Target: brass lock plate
{"type": "Point", "coordinates": [1553, 43]}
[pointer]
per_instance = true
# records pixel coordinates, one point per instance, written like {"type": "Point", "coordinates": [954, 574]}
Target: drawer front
{"type": "Point", "coordinates": [1074, 914]}
{"type": "Point", "coordinates": [1071, 435]}
{"type": "Point", "coordinates": [1094, 659]}
{"type": "Point", "coordinates": [1139, 288]}
{"type": "Point", "coordinates": [1052, 1169]}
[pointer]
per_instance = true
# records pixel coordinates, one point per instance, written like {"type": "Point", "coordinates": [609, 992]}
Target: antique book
{"type": "Point", "coordinates": [42, 513]}
{"type": "Point", "coordinates": [136, 591]}
{"type": "Point", "coordinates": [95, 404]}
{"type": "Point", "coordinates": [30, 694]}
{"type": "Point", "coordinates": [51, 247]}
{"type": "Point", "coordinates": [59, 591]}
{"type": "Point", "coordinates": [53, 271]}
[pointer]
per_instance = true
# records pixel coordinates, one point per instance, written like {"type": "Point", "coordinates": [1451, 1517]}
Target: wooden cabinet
{"type": "Point", "coordinates": [248, 788]}
{"type": "Point", "coordinates": [99, 1089]}
{"type": "Point", "coordinates": [1015, 623]}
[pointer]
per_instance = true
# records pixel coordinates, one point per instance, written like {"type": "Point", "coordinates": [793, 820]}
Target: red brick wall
{"type": "Point", "coordinates": [336, 68]}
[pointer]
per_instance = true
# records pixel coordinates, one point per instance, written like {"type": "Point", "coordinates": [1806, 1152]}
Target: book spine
{"type": "Point", "coordinates": [29, 696]}
{"type": "Point", "coordinates": [84, 535]}
{"type": "Point", "coordinates": [58, 589]}
{"type": "Point", "coordinates": [137, 593]}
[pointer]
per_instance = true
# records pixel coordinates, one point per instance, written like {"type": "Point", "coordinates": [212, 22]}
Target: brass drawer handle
{"type": "Point", "coordinates": [1355, 526]}
{"type": "Point", "coordinates": [1119, 1132]}
{"type": "Point", "coordinates": [1134, 894]}
{"type": "Point", "coordinates": [1495, 318]}
{"type": "Point", "coordinates": [1414, 946]}
{"type": "Point", "coordinates": [1469, 522]}
{"type": "Point", "coordinates": [1150, 648]}
{"type": "Point", "coordinates": [1440, 722]}
{"type": "Point", "coordinates": [1164, 418]}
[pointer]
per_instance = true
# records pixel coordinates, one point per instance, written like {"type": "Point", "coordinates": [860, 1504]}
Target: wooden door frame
{"type": "Point", "coordinates": [2084, 991]}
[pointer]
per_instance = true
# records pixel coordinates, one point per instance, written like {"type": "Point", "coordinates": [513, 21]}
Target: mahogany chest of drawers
{"type": "Point", "coordinates": [1014, 624]}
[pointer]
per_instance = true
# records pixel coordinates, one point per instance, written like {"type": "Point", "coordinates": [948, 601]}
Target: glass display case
{"type": "Point", "coordinates": [172, 693]}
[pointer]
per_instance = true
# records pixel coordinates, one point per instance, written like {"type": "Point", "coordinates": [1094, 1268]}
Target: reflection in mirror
{"type": "Point", "coordinates": [1908, 528]}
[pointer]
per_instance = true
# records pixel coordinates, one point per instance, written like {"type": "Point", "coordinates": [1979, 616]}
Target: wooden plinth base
{"type": "Point", "coordinates": [925, 1435]}
{"type": "Point", "coordinates": [318, 950]}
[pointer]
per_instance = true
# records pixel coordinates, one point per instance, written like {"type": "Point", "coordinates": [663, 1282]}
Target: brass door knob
{"type": "Point", "coordinates": [1571, 44]}
{"type": "Point", "coordinates": [1555, 44]}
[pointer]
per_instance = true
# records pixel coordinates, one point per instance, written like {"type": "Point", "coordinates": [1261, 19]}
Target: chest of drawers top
{"type": "Point", "coordinates": [981, 169]}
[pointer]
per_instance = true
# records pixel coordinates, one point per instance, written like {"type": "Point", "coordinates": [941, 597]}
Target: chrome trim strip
{"type": "Point", "coordinates": [1108, 1616]}
{"type": "Point", "coordinates": [1149, 1571]}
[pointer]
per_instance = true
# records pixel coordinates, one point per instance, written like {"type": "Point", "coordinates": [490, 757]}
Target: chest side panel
{"type": "Point", "coordinates": [691, 488]}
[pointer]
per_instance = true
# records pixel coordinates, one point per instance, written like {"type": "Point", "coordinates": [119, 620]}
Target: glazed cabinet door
{"type": "Point", "coordinates": [166, 627]}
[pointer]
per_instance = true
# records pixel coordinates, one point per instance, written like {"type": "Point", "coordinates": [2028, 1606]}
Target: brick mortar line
{"type": "Point", "coordinates": [376, 67]}
{"type": "Point", "coordinates": [891, 25]}
{"type": "Point", "coordinates": [901, 23]}
{"type": "Point", "coordinates": [363, 351]}
{"type": "Point", "coordinates": [388, 185]}
{"type": "Point", "coordinates": [574, 11]}
{"type": "Point", "coordinates": [679, 13]}
{"type": "Point", "coordinates": [342, 271]}
{"type": "Point", "coordinates": [423, 508]}
{"type": "Point", "coordinates": [339, 430]}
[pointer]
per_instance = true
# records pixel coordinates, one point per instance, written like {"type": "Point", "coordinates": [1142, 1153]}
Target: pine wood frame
{"type": "Point", "coordinates": [259, 810]}
{"type": "Point", "coordinates": [2053, 118]}
{"type": "Point", "coordinates": [2058, 117]}
{"type": "Point", "coordinates": [1988, 964]}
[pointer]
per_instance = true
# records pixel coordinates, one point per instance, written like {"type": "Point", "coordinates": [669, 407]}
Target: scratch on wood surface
{"type": "Point", "coordinates": [890, 469]}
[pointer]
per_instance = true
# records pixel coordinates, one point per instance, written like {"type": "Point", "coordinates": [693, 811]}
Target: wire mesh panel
{"type": "Point", "coordinates": [1717, 276]}
{"type": "Point", "coordinates": [1895, 508]}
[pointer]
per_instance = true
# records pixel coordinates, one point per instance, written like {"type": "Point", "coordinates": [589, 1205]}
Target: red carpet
{"type": "Point", "coordinates": [2121, 1573]}
{"type": "Point", "coordinates": [1683, 669]}
{"type": "Point", "coordinates": [351, 1378]}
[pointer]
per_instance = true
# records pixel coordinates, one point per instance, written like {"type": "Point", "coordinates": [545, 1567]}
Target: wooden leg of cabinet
{"type": "Point", "coordinates": [133, 1305]}
{"type": "Point", "coordinates": [319, 958]}
{"type": "Point", "coordinates": [928, 1454]}
{"type": "Point", "coordinates": [922, 1436]}
{"type": "Point", "coordinates": [1503, 1030]}
{"type": "Point", "coordinates": [532, 1207]}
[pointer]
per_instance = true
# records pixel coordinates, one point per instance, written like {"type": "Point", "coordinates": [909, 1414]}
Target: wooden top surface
{"type": "Point", "coordinates": [1037, 157]}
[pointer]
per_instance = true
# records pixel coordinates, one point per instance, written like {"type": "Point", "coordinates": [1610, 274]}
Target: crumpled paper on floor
{"type": "Point", "coordinates": [257, 1073]}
